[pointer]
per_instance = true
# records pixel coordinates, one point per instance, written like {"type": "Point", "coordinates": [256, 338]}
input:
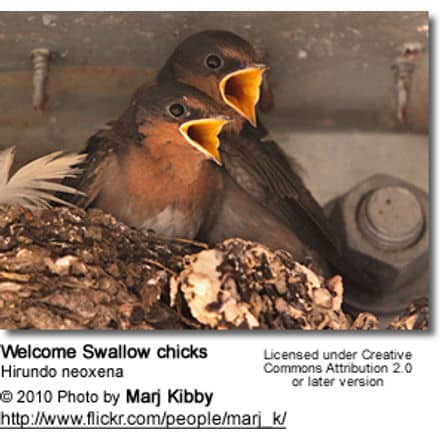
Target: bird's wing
{"type": "Point", "coordinates": [259, 134]}
{"type": "Point", "coordinates": [100, 151]}
{"type": "Point", "coordinates": [262, 169]}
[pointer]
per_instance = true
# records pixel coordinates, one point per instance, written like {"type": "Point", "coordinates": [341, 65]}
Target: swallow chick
{"type": "Point", "coordinates": [154, 168]}
{"type": "Point", "coordinates": [159, 167]}
{"type": "Point", "coordinates": [222, 65]}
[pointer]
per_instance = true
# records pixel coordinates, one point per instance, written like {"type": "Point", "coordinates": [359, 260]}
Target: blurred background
{"type": "Point", "coordinates": [341, 83]}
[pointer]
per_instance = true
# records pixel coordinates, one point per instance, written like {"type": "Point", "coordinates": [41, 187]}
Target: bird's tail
{"type": "Point", "coordinates": [35, 184]}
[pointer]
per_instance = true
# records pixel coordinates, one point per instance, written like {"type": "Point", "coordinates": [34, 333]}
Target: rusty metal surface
{"type": "Point", "coordinates": [80, 100]}
{"type": "Point", "coordinates": [323, 64]}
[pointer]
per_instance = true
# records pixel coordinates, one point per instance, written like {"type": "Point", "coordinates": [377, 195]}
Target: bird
{"type": "Point", "coordinates": [154, 168]}
{"type": "Point", "coordinates": [158, 168]}
{"type": "Point", "coordinates": [226, 67]}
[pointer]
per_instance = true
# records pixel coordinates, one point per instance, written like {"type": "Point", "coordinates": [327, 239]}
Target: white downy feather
{"type": "Point", "coordinates": [34, 185]}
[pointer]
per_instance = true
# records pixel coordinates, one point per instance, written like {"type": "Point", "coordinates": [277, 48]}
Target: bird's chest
{"type": "Point", "coordinates": [171, 199]}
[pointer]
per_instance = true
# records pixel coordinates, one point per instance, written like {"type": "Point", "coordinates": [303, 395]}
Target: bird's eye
{"type": "Point", "coordinates": [213, 61]}
{"type": "Point", "coordinates": [176, 110]}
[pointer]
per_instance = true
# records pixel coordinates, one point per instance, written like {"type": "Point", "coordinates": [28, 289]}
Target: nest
{"type": "Point", "coordinates": [414, 317]}
{"type": "Point", "coordinates": [65, 268]}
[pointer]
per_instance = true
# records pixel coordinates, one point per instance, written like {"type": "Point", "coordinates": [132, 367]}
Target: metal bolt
{"type": "Point", "coordinates": [403, 71]}
{"type": "Point", "coordinates": [40, 61]}
{"type": "Point", "coordinates": [391, 218]}
{"type": "Point", "coordinates": [403, 68]}
{"type": "Point", "coordinates": [384, 227]}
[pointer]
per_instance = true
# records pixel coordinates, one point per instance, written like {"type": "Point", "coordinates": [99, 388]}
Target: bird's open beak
{"type": "Point", "coordinates": [203, 135]}
{"type": "Point", "coordinates": [241, 90]}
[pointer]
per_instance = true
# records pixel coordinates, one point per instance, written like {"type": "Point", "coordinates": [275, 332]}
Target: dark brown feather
{"type": "Point", "coordinates": [100, 149]}
{"type": "Point", "coordinates": [258, 168]}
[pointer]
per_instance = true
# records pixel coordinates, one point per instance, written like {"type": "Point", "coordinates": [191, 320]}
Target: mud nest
{"type": "Point", "coordinates": [67, 269]}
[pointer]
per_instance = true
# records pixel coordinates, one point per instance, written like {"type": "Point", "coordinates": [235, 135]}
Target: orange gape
{"type": "Point", "coordinates": [241, 91]}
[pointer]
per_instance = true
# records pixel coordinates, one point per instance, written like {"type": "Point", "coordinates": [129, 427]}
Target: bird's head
{"type": "Point", "coordinates": [175, 115]}
{"type": "Point", "coordinates": [222, 65]}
